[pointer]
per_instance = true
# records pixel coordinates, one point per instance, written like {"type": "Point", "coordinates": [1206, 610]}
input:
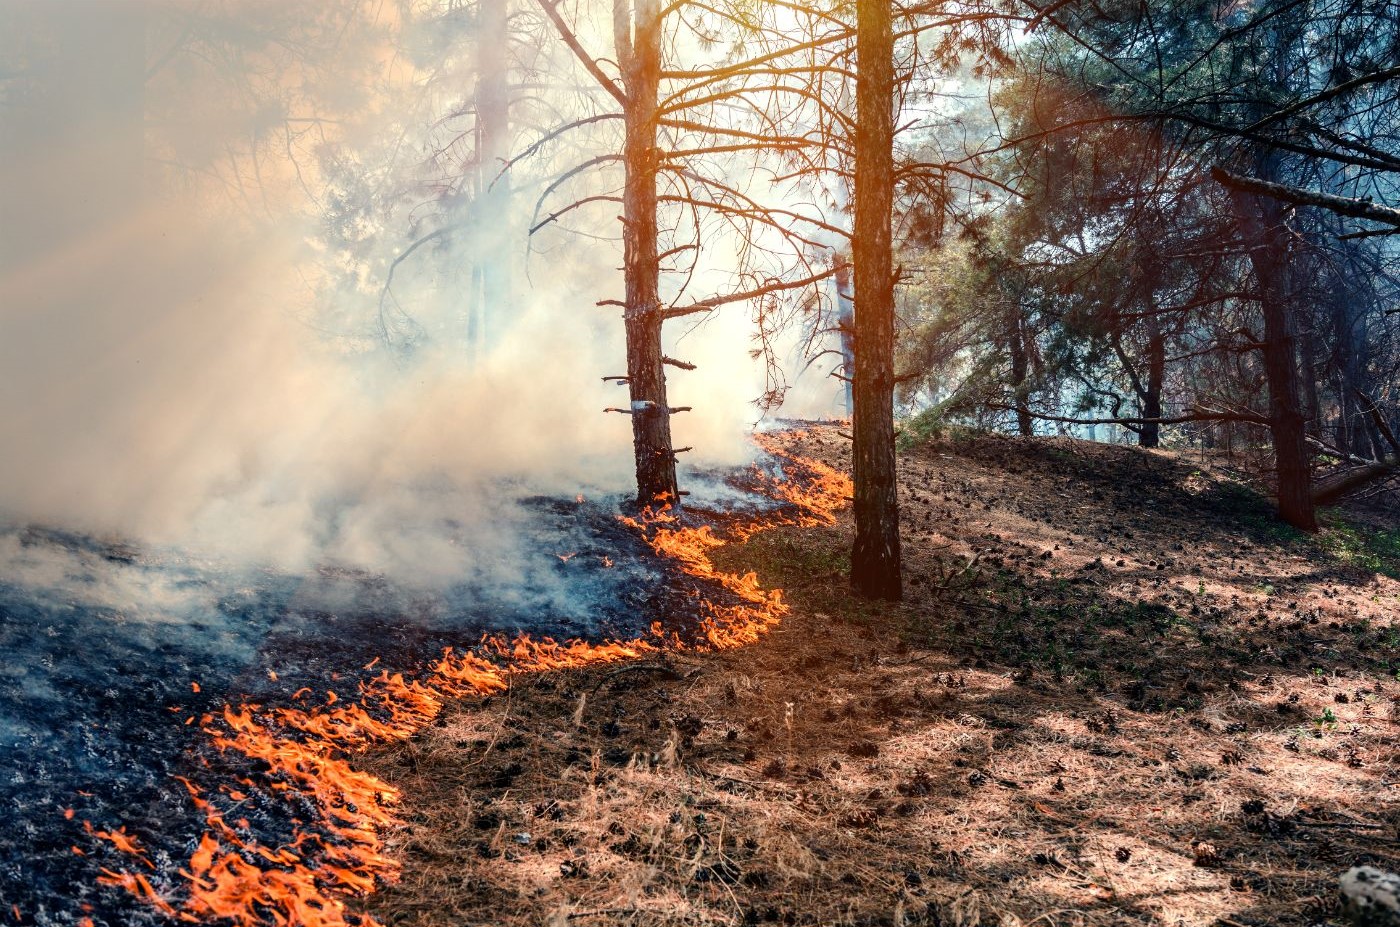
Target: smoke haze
{"type": "Point", "coordinates": [183, 372]}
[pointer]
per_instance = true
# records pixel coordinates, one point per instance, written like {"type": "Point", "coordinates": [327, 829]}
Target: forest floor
{"type": "Point", "coordinates": [1117, 692]}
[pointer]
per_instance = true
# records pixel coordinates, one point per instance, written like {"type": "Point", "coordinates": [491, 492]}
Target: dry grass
{"type": "Point", "coordinates": [1052, 740]}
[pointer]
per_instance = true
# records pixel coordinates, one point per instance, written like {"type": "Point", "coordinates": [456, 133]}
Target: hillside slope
{"type": "Point", "coordinates": [1117, 693]}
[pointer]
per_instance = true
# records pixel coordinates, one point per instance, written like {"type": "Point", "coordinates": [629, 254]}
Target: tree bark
{"type": "Point", "coordinates": [1310, 365]}
{"type": "Point", "coordinates": [1020, 371]}
{"type": "Point", "coordinates": [1260, 222]}
{"type": "Point", "coordinates": [875, 558]}
{"type": "Point", "coordinates": [1356, 433]}
{"type": "Point", "coordinates": [1331, 491]}
{"type": "Point", "coordinates": [637, 36]}
{"type": "Point", "coordinates": [1151, 433]}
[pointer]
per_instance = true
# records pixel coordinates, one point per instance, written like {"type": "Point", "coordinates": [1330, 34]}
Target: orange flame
{"type": "Point", "coordinates": [305, 753]}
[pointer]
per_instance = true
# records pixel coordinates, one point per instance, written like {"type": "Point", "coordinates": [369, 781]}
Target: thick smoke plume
{"type": "Point", "coordinates": [171, 375]}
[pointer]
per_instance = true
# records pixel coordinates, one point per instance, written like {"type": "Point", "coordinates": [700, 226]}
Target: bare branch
{"type": "Point", "coordinates": [1330, 93]}
{"type": "Point", "coordinates": [705, 305]}
{"type": "Point", "coordinates": [551, 136]}
{"type": "Point", "coordinates": [590, 64]}
{"type": "Point", "coordinates": [1198, 415]}
{"type": "Point", "coordinates": [1346, 206]}
{"type": "Point", "coordinates": [601, 198]}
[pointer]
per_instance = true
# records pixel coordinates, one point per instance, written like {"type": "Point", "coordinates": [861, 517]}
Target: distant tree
{"type": "Point", "coordinates": [1289, 109]}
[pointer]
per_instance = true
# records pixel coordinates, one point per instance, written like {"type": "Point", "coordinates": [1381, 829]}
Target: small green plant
{"type": "Point", "coordinates": [1372, 549]}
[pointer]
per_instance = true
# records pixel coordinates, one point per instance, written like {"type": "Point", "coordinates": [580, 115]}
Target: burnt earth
{"type": "Point", "coordinates": [114, 652]}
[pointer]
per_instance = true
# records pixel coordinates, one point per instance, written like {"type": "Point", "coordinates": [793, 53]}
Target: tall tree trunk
{"type": "Point", "coordinates": [1151, 434]}
{"type": "Point", "coordinates": [1261, 226]}
{"type": "Point", "coordinates": [637, 36]}
{"type": "Point", "coordinates": [875, 561]}
{"type": "Point", "coordinates": [1357, 434]}
{"type": "Point", "coordinates": [1020, 370]}
{"type": "Point", "coordinates": [1311, 368]}
{"type": "Point", "coordinates": [492, 276]}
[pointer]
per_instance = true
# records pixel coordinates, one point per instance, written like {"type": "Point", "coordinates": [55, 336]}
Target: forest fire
{"type": "Point", "coordinates": [291, 829]}
{"type": "Point", "coordinates": [371, 370]}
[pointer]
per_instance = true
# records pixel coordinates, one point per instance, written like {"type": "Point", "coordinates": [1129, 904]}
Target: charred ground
{"type": "Point", "coordinates": [121, 656]}
{"type": "Point", "coordinates": [1117, 692]}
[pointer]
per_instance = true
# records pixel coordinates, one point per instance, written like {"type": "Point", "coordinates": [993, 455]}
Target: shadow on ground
{"type": "Point", "coordinates": [1116, 693]}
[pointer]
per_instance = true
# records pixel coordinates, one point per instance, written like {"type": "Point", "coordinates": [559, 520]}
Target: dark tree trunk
{"type": "Point", "coordinates": [1311, 367]}
{"type": "Point", "coordinates": [491, 271]}
{"type": "Point", "coordinates": [637, 35]}
{"type": "Point", "coordinates": [1020, 371]}
{"type": "Point", "coordinates": [1356, 433]}
{"type": "Point", "coordinates": [1151, 434]}
{"type": "Point", "coordinates": [1261, 226]}
{"type": "Point", "coordinates": [875, 560]}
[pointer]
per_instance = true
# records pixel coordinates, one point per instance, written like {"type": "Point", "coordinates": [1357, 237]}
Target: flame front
{"type": "Point", "coordinates": [303, 756]}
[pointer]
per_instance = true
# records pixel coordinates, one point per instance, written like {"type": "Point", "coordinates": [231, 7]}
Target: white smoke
{"type": "Point", "coordinates": [169, 376]}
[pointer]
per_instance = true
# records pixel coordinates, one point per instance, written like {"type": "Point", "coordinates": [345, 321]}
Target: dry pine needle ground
{"type": "Point", "coordinates": [1117, 693]}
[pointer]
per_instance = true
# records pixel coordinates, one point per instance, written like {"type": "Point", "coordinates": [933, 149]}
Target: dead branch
{"type": "Point", "coordinates": [394, 265]}
{"type": "Point", "coordinates": [1381, 424]}
{"type": "Point", "coordinates": [665, 669]}
{"type": "Point", "coordinates": [1333, 488]}
{"type": "Point", "coordinates": [549, 137]}
{"type": "Point", "coordinates": [601, 198]}
{"type": "Point", "coordinates": [1201, 415]}
{"type": "Point", "coordinates": [1343, 205]}
{"type": "Point", "coordinates": [705, 305]}
{"type": "Point", "coordinates": [1330, 93]}
{"type": "Point", "coordinates": [590, 64]}
{"type": "Point", "coordinates": [644, 406]}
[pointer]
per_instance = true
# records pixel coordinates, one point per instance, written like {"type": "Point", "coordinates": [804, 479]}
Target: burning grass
{"type": "Point", "coordinates": [294, 763]}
